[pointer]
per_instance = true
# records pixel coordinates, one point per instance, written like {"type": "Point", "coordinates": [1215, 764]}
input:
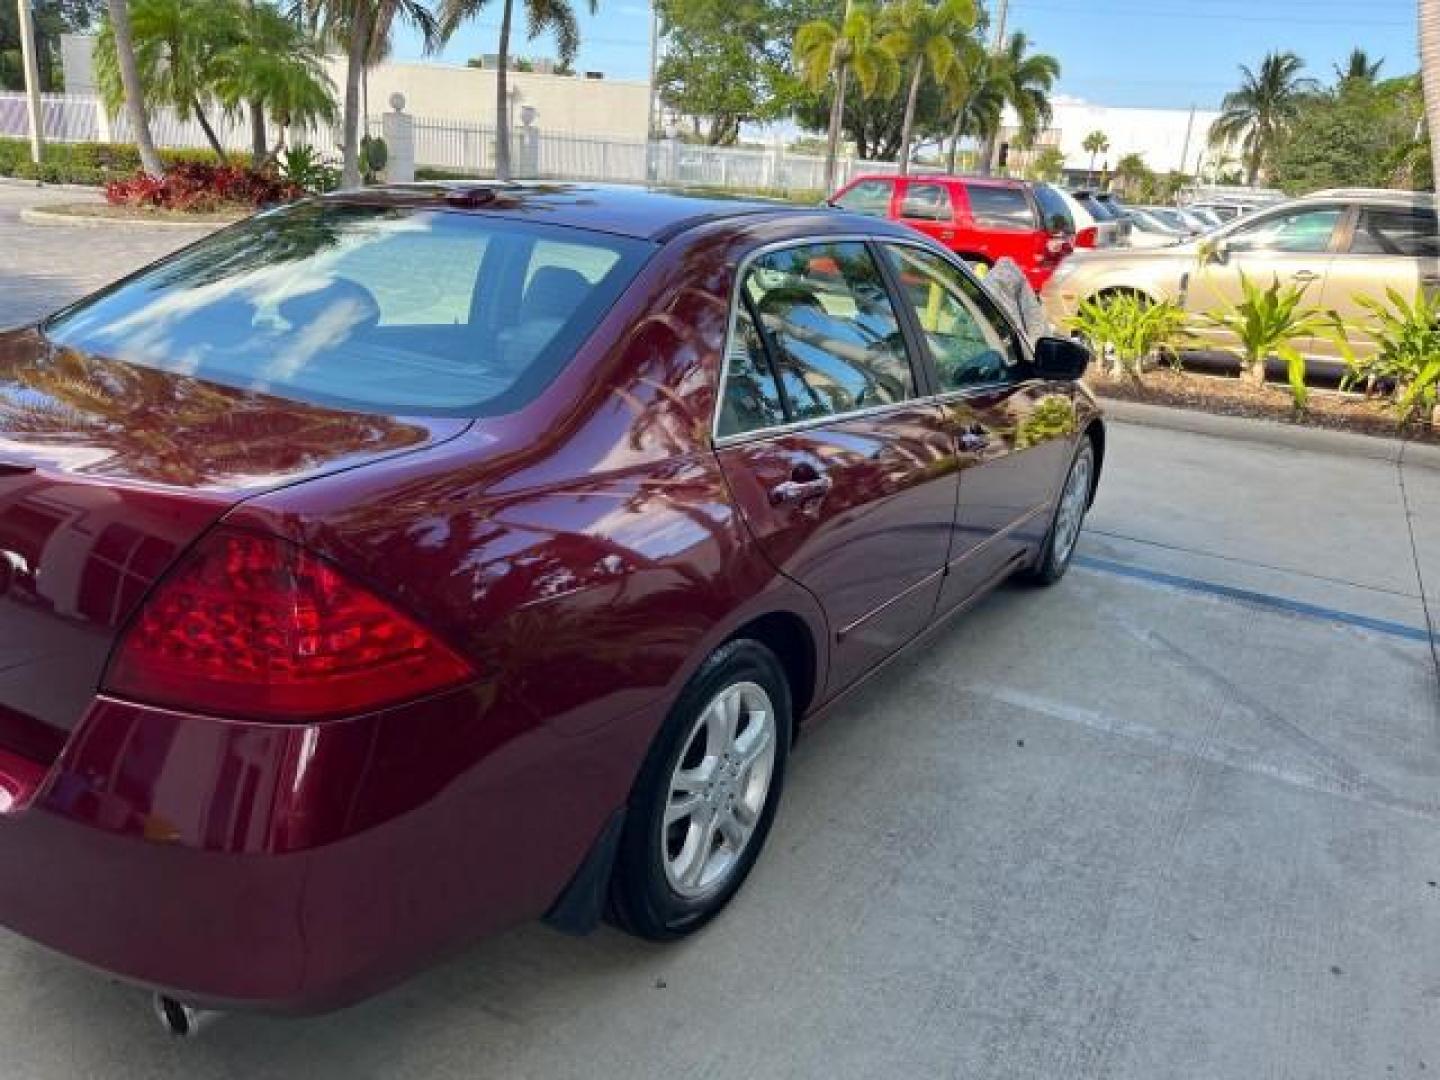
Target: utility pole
{"type": "Point", "coordinates": [32, 78]}
{"type": "Point", "coordinates": [1189, 128]}
{"type": "Point", "coordinates": [654, 68]}
{"type": "Point", "coordinates": [1001, 11]}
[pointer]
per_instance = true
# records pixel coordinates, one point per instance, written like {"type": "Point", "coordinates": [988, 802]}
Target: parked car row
{"type": "Point", "coordinates": [985, 219]}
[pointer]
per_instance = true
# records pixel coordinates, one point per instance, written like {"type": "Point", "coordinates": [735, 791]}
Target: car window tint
{"type": "Point", "coordinates": [752, 396]}
{"type": "Point", "coordinates": [367, 307]}
{"type": "Point", "coordinates": [867, 197]}
{"type": "Point", "coordinates": [999, 207]}
{"type": "Point", "coordinates": [927, 202]}
{"type": "Point", "coordinates": [1410, 233]}
{"type": "Point", "coordinates": [969, 341]}
{"type": "Point", "coordinates": [1053, 209]}
{"type": "Point", "coordinates": [1299, 232]}
{"type": "Point", "coordinates": [1097, 209]}
{"type": "Point", "coordinates": [836, 340]}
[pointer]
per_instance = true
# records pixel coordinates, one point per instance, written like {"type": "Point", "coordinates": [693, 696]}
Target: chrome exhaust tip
{"type": "Point", "coordinates": [179, 1020]}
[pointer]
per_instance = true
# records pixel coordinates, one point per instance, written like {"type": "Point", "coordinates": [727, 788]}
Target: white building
{"type": "Point", "coordinates": [1167, 139]}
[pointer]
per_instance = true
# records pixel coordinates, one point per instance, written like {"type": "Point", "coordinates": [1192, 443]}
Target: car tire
{"type": "Point", "coordinates": [702, 806]}
{"type": "Point", "coordinates": [1067, 520]}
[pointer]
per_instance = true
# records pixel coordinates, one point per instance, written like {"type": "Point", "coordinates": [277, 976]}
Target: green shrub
{"type": "Point", "coordinates": [1406, 334]}
{"type": "Point", "coordinates": [1131, 328]}
{"type": "Point", "coordinates": [85, 163]}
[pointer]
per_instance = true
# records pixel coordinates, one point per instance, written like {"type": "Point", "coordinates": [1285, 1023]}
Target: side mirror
{"type": "Point", "coordinates": [1061, 359]}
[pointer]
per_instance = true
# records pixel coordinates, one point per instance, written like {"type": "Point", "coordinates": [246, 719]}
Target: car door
{"type": "Point", "coordinates": [1385, 247]}
{"type": "Point", "coordinates": [843, 469]}
{"type": "Point", "coordinates": [1008, 226]}
{"type": "Point", "coordinates": [1013, 432]}
{"type": "Point", "coordinates": [926, 206]}
{"type": "Point", "coordinates": [1293, 246]}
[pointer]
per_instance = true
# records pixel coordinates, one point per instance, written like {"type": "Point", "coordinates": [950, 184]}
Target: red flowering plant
{"type": "Point", "coordinates": [199, 186]}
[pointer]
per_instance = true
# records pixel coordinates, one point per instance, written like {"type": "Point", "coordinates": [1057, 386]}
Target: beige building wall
{"type": "Point", "coordinates": [608, 108]}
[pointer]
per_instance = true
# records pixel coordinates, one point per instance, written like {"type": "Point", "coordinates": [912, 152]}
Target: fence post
{"type": "Point", "coordinates": [398, 130]}
{"type": "Point", "coordinates": [103, 131]}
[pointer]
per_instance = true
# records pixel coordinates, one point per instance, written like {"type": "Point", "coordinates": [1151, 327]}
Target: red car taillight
{"type": "Point", "coordinates": [256, 627]}
{"type": "Point", "coordinates": [1087, 237]}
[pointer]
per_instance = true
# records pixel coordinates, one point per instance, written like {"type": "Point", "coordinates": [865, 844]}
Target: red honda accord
{"type": "Point", "coordinates": [397, 566]}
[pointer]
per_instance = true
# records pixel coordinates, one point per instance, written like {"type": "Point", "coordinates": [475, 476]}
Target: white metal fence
{"type": "Point", "coordinates": [469, 148]}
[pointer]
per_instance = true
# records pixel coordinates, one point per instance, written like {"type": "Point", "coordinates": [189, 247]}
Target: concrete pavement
{"type": "Point", "coordinates": [1177, 817]}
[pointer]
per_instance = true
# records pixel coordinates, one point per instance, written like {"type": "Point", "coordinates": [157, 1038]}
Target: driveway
{"type": "Point", "coordinates": [1177, 817]}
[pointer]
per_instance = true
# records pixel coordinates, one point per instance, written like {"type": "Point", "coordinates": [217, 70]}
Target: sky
{"type": "Point", "coordinates": [1158, 53]}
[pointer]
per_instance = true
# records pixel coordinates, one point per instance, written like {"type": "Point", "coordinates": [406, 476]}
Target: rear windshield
{"type": "Point", "coordinates": [1098, 210]}
{"type": "Point", "coordinates": [376, 309]}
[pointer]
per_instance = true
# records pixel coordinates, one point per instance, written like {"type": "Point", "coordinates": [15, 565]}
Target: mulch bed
{"type": "Point", "coordinates": [141, 213]}
{"type": "Point", "coordinates": [1230, 397]}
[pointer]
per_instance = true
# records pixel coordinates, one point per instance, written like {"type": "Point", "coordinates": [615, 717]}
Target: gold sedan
{"type": "Point", "coordinates": [1339, 245]}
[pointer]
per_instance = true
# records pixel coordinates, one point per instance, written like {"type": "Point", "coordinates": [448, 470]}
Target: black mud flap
{"type": "Point", "coordinates": [582, 904]}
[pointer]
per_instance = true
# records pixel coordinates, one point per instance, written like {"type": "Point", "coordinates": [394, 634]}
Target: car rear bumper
{"type": "Point", "coordinates": [300, 868]}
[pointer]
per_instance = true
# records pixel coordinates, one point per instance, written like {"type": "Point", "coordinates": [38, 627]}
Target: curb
{"type": "Point", "coordinates": [21, 182]}
{"type": "Point", "coordinates": [32, 215]}
{"type": "Point", "coordinates": [1272, 433]}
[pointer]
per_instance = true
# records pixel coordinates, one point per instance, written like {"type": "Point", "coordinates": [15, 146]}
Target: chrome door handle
{"type": "Point", "coordinates": [800, 491]}
{"type": "Point", "coordinates": [1304, 277]}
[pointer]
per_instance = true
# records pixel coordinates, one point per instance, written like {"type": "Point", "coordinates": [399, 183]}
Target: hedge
{"type": "Point", "coordinates": [84, 163]}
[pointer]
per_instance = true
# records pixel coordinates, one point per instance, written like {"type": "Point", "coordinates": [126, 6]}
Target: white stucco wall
{"type": "Point", "coordinates": [610, 108]}
{"type": "Point", "coordinates": [1158, 135]}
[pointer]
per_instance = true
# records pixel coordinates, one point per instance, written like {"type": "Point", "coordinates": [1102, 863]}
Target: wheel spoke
{"type": "Point", "coordinates": [704, 837]}
{"type": "Point", "coordinates": [734, 833]}
{"type": "Point", "coordinates": [745, 814]}
{"type": "Point", "coordinates": [683, 807]}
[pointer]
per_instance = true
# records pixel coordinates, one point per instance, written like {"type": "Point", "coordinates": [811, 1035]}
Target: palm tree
{"type": "Point", "coordinates": [975, 91]}
{"type": "Point", "coordinates": [1026, 81]}
{"type": "Point", "coordinates": [1359, 68]}
{"type": "Point", "coordinates": [1430, 65]}
{"type": "Point", "coordinates": [556, 16]}
{"type": "Point", "coordinates": [925, 33]}
{"type": "Point", "coordinates": [134, 93]}
{"type": "Point", "coordinates": [827, 51]}
{"type": "Point", "coordinates": [1259, 113]}
{"type": "Point", "coordinates": [365, 28]}
{"type": "Point", "coordinates": [1095, 143]}
{"type": "Point", "coordinates": [277, 65]}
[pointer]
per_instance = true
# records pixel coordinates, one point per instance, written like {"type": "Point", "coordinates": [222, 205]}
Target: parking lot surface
{"type": "Point", "coordinates": [1177, 817]}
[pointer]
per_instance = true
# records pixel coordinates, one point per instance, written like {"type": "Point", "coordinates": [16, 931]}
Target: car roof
{"type": "Point", "coordinates": [958, 178]}
{"type": "Point", "coordinates": [646, 213]}
{"type": "Point", "coordinates": [1388, 196]}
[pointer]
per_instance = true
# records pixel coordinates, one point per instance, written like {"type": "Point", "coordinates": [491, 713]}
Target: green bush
{"type": "Point", "coordinates": [85, 163]}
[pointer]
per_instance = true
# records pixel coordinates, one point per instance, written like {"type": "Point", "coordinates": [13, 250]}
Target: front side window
{"type": "Point", "coordinates": [1412, 234]}
{"type": "Point", "coordinates": [1298, 232]}
{"type": "Point", "coordinates": [870, 197]}
{"type": "Point", "coordinates": [927, 202]}
{"type": "Point", "coordinates": [831, 330]}
{"type": "Point", "coordinates": [995, 207]}
{"type": "Point", "coordinates": [370, 308]}
{"type": "Point", "coordinates": [969, 341]}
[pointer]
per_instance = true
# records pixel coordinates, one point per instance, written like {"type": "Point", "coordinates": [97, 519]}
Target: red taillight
{"type": "Point", "coordinates": [253, 626]}
{"type": "Point", "coordinates": [1087, 237]}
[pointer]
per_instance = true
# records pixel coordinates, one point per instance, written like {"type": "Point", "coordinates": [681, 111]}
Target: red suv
{"type": "Point", "coordinates": [982, 219]}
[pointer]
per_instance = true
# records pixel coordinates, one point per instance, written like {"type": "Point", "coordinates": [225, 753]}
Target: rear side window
{"type": "Point", "coordinates": [1410, 233]}
{"type": "Point", "coordinates": [752, 399]}
{"type": "Point", "coordinates": [371, 308]}
{"type": "Point", "coordinates": [1000, 207]}
{"type": "Point", "coordinates": [1305, 231]}
{"type": "Point", "coordinates": [868, 197]}
{"type": "Point", "coordinates": [1053, 210]}
{"type": "Point", "coordinates": [829, 330]}
{"type": "Point", "coordinates": [927, 202]}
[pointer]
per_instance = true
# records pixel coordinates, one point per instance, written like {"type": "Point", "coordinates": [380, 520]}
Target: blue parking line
{"type": "Point", "coordinates": [1247, 596]}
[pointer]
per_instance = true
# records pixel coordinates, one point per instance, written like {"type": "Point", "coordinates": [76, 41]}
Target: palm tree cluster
{"type": "Point", "coordinates": [1258, 114]}
{"type": "Point", "coordinates": [198, 54]}
{"type": "Point", "coordinates": [908, 42]}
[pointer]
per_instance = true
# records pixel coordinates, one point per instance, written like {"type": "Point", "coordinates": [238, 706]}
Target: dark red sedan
{"type": "Point", "coordinates": [397, 566]}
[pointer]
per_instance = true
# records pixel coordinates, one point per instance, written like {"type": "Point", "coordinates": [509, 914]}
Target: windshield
{"type": "Point", "coordinates": [1098, 210]}
{"type": "Point", "coordinates": [371, 308]}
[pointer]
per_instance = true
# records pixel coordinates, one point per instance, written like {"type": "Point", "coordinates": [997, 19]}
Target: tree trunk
{"type": "Point", "coordinates": [907, 129]}
{"type": "Point", "coordinates": [1430, 65]}
{"type": "Point", "coordinates": [1253, 372]}
{"type": "Point", "coordinates": [134, 92]}
{"type": "Point", "coordinates": [210, 137]}
{"type": "Point", "coordinates": [837, 114]}
{"type": "Point", "coordinates": [987, 154]}
{"type": "Point", "coordinates": [957, 132]}
{"type": "Point", "coordinates": [355, 65]}
{"type": "Point", "coordinates": [502, 97]}
{"type": "Point", "coordinates": [259, 142]}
